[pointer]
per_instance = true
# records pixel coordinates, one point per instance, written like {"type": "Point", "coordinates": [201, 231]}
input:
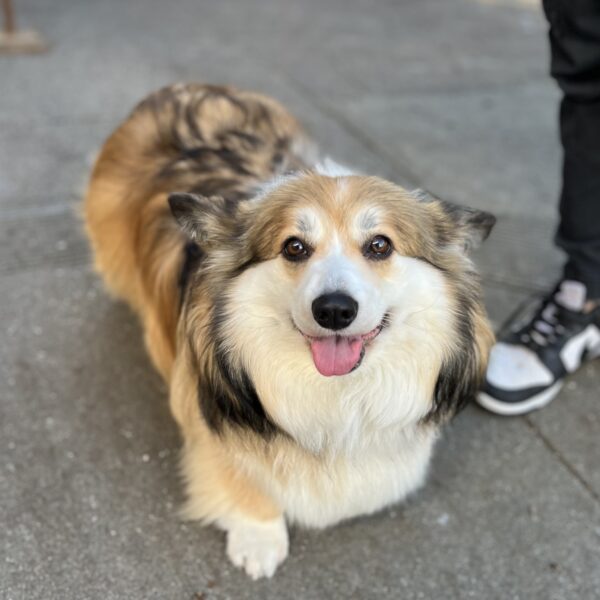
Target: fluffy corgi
{"type": "Point", "coordinates": [315, 327]}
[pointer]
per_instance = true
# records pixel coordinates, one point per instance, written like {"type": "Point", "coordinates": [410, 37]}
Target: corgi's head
{"type": "Point", "coordinates": [332, 296]}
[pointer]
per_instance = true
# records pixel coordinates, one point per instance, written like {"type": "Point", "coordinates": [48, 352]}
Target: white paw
{"type": "Point", "coordinates": [258, 547]}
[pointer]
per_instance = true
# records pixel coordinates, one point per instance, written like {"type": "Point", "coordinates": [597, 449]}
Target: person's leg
{"type": "Point", "coordinates": [575, 64]}
{"type": "Point", "coordinates": [533, 355]}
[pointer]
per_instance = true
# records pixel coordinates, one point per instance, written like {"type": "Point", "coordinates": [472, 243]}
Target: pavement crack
{"type": "Point", "coordinates": [329, 110]}
{"type": "Point", "coordinates": [515, 285]}
{"type": "Point", "coordinates": [559, 456]}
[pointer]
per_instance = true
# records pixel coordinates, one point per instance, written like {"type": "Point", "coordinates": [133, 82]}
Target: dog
{"type": "Point", "coordinates": [316, 327]}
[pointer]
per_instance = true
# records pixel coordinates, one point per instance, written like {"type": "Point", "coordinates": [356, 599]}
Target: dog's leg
{"type": "Point", "coordinates": [258, 547]}
{"type": "Point", "coordinates": [257, 538]}
{"type": "Point", "coordinates": [218, 492]}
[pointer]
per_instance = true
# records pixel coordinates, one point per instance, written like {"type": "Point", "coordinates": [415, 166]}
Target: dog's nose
{"type": "Point", "coordinates": [334, 311]}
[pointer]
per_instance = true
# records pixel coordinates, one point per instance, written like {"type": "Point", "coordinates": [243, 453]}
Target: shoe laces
{"type": "Point", "coordinates": [545, 327]}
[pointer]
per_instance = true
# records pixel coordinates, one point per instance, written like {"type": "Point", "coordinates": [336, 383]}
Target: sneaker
{"type": "Point", "coordinates": [532, 357]}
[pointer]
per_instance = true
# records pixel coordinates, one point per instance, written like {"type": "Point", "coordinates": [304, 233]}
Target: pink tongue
{"type": "Point", "coordinates": [336, 355]}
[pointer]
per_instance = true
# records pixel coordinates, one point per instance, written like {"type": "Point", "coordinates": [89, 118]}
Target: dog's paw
{"type": "Point", "coordinates": [258, 547]}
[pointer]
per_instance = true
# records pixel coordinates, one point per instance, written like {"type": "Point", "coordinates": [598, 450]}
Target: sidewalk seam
{"type": "Point", "coordinates": [556, 452]}
{"type": "Point", "coordinates": [327, 109]}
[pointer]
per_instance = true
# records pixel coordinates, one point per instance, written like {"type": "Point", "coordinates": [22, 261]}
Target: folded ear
{"type": "Point", "coordinates": [205, 220]}
{"type": "Point", "coordinates": [473, 226]}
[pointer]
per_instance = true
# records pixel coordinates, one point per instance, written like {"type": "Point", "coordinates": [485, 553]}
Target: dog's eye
{"type": "Point", "coordinates": [295, 249]}
{"type": "Point", "coordinates": [379, 247]}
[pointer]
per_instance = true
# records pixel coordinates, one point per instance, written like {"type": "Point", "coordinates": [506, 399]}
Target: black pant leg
{"type": "Point", "coordinates": [575, 64]}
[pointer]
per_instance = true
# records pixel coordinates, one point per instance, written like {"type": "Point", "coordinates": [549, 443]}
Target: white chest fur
{"type": "Point", "coordinates": [318, 492]}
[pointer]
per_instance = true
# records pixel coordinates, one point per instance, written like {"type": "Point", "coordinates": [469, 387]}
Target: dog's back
{"type": "Point", "coordinates": [188, 138]}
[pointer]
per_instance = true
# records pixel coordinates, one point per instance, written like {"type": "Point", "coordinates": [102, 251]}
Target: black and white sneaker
{"type": "Point", "coordinates": [533, 356]}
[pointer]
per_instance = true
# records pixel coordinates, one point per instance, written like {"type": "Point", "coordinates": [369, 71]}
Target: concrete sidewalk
{"type": "Point", "coordinates": [451, 95]}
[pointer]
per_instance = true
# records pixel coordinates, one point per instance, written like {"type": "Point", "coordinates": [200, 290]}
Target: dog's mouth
{"type": "Point", "coordinates": [340, 354]}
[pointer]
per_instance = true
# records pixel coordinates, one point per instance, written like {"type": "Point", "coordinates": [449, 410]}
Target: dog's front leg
{"type": "Point", "coordinates": [258, 547]}
{"type": "Point", "coordinates": [257, 538]}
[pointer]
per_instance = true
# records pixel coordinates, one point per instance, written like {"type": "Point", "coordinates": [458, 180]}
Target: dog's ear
{"type": "Point", "coordinates": [205, 220]}
{"type": "Point", "coordinates": [473, 226]}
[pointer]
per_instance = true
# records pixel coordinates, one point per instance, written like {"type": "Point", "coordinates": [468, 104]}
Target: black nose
{"type": "Point", "coordinates": [334, 311]}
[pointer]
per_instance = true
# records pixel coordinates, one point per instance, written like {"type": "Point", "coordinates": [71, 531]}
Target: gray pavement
{"type": "Point", "coordinates": [451, 95]}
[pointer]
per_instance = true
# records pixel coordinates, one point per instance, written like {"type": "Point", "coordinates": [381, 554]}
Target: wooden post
{"type": "Point", "coordinates": [9, 16]}
{"type": "Point", "coordinates": [13, 41]}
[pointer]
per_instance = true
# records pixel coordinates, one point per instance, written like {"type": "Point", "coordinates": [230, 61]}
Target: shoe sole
{"type": "Point", "coordinates": [513, 409]}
